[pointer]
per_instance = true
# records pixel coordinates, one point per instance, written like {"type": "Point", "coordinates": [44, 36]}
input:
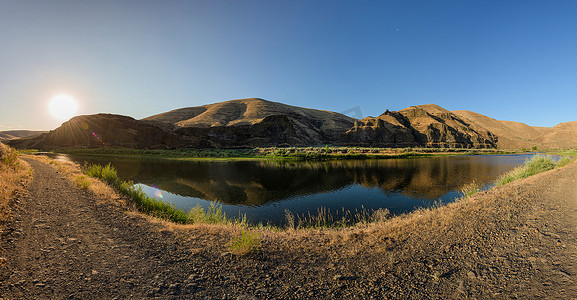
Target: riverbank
{"type": "Point", "coordinates": [276, 153]}
{"type": "Point", "coordinates": [517, 240]}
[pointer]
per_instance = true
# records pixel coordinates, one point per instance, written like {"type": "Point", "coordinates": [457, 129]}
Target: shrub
{"type": "Point", "coordinates": [248, 242]}
{"type": "Point", "coordinates": [563, 161]}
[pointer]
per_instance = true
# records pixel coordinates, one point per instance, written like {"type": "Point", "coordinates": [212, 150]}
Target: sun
{"type": "Point", "coordinates": [63, 107]}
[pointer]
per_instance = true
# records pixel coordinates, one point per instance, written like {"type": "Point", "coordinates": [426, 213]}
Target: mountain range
{"type": "Point", "coordinates": [256, 122]}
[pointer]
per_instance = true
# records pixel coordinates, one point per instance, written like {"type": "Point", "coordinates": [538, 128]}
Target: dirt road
{"type": "Point", "coordinates": [518, 241]}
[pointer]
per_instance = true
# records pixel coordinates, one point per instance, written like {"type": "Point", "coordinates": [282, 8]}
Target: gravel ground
{"type": "Point", "coordinates": [517, 241]}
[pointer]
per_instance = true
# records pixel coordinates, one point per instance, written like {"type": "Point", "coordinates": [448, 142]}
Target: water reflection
{"type": "Point", "coordinates": [263, 189]}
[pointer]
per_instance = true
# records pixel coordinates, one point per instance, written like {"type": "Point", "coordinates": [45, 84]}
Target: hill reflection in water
{"type": "Point", "coordinates": [268, 187]}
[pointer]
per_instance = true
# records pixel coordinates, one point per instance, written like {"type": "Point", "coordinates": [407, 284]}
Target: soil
{"type": "Point", "coordinates": [516, 241]}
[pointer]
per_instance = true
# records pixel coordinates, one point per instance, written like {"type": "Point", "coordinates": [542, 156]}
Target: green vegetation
{"type": "Point", "coordinates": [326, 152]}
{"type": "Point", "coordinates": [283, 153]}
{"type": "Point", "coordinates": [470, 189]}
{"type": "Point", "coordinates": [568, 152]}
{"type": "Point", "coordinates": [248, 242]}
{"type": "Point", "coordinates": [535, 165]}
{"type": "Point", "coordinates": [82, 182]}
{"type": "Point", "coordinates": [175, 154]}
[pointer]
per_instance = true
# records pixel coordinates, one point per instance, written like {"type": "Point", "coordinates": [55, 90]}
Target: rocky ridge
{"type": "Point", "coordinates": [424, 125]}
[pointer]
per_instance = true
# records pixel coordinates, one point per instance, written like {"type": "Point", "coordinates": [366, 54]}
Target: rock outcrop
{"type": "Point", "coordinates": [419, 126]}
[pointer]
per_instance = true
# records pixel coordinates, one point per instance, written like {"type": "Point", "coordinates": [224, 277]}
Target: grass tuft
{"type": "Point", "coordinates": [470, 189]}
{"type": "Point", "coordinates": [248, 242]}
{"type": "Point", "coordinates": [82, 182]}
{"type": "Point", "coordinates": [9, 157]}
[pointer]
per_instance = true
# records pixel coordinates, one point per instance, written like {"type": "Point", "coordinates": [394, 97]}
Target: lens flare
{"type": "Point", "coordinates": [63, 107]}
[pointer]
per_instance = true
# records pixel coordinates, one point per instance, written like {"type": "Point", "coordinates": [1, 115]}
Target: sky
{"type": "Point", "coordinates": [510, 60]}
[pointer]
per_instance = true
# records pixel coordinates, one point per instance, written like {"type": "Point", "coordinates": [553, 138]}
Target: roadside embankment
{"type": "Point", "coordinates": [14, 174]}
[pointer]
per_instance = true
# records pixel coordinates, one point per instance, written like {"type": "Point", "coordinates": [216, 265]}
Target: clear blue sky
{"type": "Point", "coordinates": [510, 60]}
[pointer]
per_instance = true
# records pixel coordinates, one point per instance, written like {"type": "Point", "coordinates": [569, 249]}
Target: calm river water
{"type": "Point", "coordinates": [264, 189]}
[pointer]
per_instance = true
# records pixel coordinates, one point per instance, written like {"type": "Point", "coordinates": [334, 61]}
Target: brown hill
{"type": "Point", "coordinates": [563, 135]}
{"type": "Point", "coordinates": [244, 112]}
{"type": "Point", "coordinates": [98, 131]}
{"type": "Point", "coordinates": [253, 122]}
{"type": "Point", "coordinates": [15, 134]}
{"type": "Point", "coordinates": [510, 135]}
{"type": "Point", "coordinates": [516, 135]}
{"type": "Point", "coordinates": [421, 126]}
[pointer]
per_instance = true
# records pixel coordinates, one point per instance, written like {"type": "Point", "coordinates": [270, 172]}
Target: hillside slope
{"type": "Point", "coordinates": [510, 135]}
{"type": "Point", "coordinates": [563, 135]}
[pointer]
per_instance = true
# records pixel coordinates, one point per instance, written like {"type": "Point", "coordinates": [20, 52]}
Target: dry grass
{"type": "Point", "coordinates": [14, 175]}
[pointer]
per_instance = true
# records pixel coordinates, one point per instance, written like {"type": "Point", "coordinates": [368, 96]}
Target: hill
{"type": "Point", "coordinates": [97, 131]}
{"type": "Point", "coordinates": [253, 122]}
{"type": "Point", "coordinates": [511, 135]}
{"type": "Point", "coordinates": [15, 134]}
{"type": "Point", "coordinates": [563, 135]}
{"type": "Point", "coordinates": [515, 135]}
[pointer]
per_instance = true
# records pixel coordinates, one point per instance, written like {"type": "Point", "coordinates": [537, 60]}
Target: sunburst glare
{"type": "Point", "coordinates": [63, 107]}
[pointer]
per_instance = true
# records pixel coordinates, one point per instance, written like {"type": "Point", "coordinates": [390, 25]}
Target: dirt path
{"type": "Point", "coordinates": [67, 245]}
